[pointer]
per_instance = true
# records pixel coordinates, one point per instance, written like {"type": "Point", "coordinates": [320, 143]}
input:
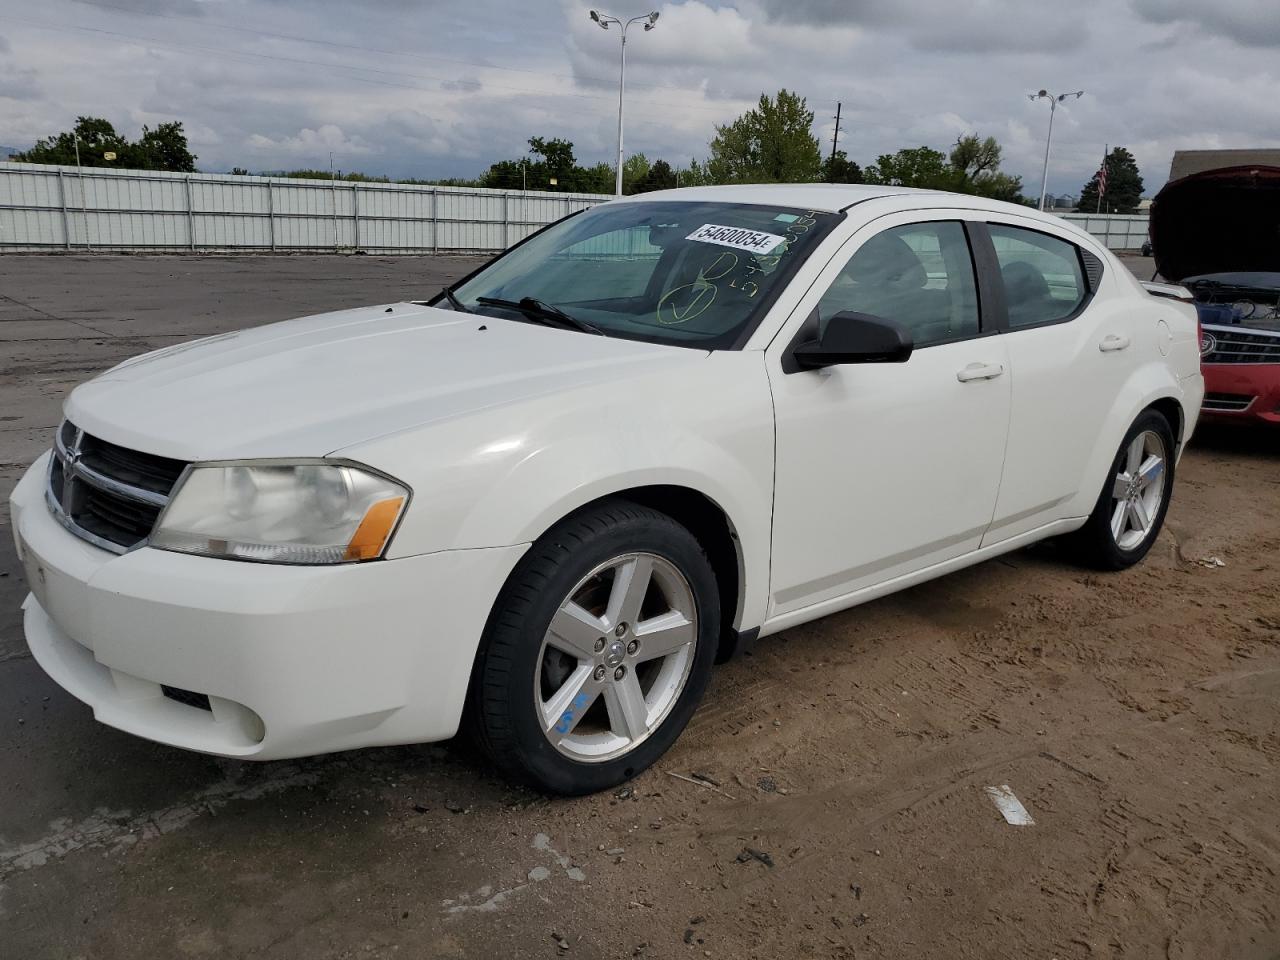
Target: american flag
{"type": "Point", "coordinates": [1102, 178]}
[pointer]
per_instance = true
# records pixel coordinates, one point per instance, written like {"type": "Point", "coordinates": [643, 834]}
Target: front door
{"type": "Point", "coordinates": [884, 469]}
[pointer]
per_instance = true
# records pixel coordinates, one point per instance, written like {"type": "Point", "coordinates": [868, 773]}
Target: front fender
{"type": "Point", "coordinates": [505, 475]}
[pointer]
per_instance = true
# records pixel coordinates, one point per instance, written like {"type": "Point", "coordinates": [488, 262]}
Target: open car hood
{"type": "Point", "coordinates": [1218, 221]}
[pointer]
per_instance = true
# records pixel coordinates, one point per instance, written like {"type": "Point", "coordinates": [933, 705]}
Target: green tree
{"type": "Point", "coordinates": [972, 167]}
{"type": "Point", "coordinates": [659, 177]}
{"type": "Point", "coordinates": [913, 167]}
{"type": "Point", "coordinates": [972, 157]}
{"type": "Point", "coordinates": [634, 169]}
{"type": "Point", "coordinates": [549, 159]}
{"type": "Point", "coordinates": [838, 168]}
{"type": "Point", "coordinates": [164, 148]}
{"type": "Point", "coordinates": [976, 163]}
{"type": "Point", "coordinates": [1124, 185]}
{"type": "Point", "coordinates": [694, 175]}
{"type": "Point", "coordinates": [774, 143]}
{"type": "Point", "coordinates": [506, 175]}
{"type": "Point", "coordinates": [94, 136]}
{"type": "Point", "coordinates": [998, 186]}
{"type": "Point", "coordinates": [597, 178]}
{"type": "Point", "coordinates": [556, 156]}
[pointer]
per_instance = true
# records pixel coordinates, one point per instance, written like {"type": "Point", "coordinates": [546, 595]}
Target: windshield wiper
{"type": "Point", "coordinates": [541, 312]}
{"type": "Point", "coordinates": [453, 300]}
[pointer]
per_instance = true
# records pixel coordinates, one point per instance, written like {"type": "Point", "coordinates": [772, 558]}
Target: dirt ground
{"type": "Point", "coordinates": [840, 806]}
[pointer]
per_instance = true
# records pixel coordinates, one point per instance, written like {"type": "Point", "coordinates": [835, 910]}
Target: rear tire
{"type": "Point", "coordinates": [1131, 508]}
{"type": "Point", "coordinates": [597, 651]}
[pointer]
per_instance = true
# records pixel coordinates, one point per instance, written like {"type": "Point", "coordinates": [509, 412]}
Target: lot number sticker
{"type": "Point", "coordinates": [739, 238]}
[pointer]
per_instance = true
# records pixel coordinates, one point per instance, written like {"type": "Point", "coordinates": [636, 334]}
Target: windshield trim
{"type": "Point", "coordinates": [830, 221]}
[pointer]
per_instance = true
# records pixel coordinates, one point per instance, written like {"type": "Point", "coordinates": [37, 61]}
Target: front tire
{"type": "Point", "coordinates": [597, 651]}
{"type": "Point", "coordinates": [1132, 505]}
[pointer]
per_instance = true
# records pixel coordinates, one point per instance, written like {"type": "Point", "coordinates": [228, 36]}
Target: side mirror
{"type": "Point", "coordinates": [856, 338]}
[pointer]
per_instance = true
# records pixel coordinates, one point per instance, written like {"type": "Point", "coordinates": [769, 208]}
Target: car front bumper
{"type": "Point", "coordinates": [1242, 392]}
{"type": "Point", "coordinates": [294, 661]}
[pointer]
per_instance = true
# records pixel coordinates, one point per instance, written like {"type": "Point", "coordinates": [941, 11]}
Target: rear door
{"type": "Point", "coordinates": [1069, 354]}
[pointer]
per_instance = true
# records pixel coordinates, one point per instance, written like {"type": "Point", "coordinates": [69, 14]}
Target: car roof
{"type": "Point", "coordinates": [826, 197]}
{"type": "Point", "coordinates": [836, 197]}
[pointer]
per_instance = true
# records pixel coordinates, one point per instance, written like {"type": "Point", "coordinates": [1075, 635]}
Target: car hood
{"type": "Point", "coordinates": [1262, 281]}
{"type": "Point", "coordinates": [1217, 221]}
{"type": "Point", "coordinates": [311, 386]}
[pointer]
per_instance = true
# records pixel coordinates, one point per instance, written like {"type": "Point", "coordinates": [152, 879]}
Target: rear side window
{"type": "Point", "coordinates": [1043, 279]}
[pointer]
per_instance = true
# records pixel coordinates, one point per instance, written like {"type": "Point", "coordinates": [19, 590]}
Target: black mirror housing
{"type": "Point", "coordinates": [856, 338]}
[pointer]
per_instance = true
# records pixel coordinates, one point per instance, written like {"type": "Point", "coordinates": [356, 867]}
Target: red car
{"type": "Point", "coordinates": [1218, 234]}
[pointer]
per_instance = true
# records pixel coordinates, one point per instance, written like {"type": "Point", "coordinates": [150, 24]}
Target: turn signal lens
{"type": "Point", "coordinates": [375, 530]}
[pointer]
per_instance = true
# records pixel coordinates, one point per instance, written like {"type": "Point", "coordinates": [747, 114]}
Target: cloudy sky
{"type": "Point", "coordinates": [443, 87]}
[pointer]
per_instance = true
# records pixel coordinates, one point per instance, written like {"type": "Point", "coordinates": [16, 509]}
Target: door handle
{"type": "Point", "coordinates": [980, 371]}
{"type": "Point", "coordinates": [1112, 342]}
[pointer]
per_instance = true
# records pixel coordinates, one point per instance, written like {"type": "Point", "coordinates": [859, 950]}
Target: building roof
{"type": "Point", "coordinates": [1187, 162]}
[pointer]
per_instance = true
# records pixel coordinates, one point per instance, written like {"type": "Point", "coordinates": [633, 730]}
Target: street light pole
{"type": "Point", "coordinates": [605, 20]}
{"type": "Point", "coordinates": [1054, 100]}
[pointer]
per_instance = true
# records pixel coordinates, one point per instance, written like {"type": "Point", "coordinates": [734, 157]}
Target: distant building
{"type": "Point", "coordinates": [1187, 162]}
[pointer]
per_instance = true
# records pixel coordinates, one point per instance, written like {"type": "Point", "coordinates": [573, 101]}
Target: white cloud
{"type": "Point", "coordinates": [1251, 23]}
{"type": "Point", "coordinates": [308, 143]}
{"type": "Point", "coordinates": [444, 88]}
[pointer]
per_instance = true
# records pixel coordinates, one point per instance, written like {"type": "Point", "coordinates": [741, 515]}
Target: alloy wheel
{"type": "Point", "coordinates": [616, 657]}
{"type": "Point", "coordinates": [1138, 490]}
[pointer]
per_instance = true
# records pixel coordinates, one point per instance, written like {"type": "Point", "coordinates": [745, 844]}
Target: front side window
{"type": "Point", "coordinates": [919, 275]}
{"type": "Point", "coordinates": [1043, 279]}
{"type": "Point", "coordinates": [686, 273]}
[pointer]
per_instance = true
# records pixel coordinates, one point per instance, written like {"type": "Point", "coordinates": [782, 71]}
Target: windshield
{"type": "Point", "coordinates": [690, 273]}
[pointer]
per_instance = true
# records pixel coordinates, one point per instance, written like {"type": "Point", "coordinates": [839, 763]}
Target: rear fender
{"type": "Point", "coordinates": [1148, 385]}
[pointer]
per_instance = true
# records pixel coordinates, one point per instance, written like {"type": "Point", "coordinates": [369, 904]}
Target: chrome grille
{"type": "Point", "coordinates": [1240, 345]}
{"type": "Point", "coordinates": [107, 494]}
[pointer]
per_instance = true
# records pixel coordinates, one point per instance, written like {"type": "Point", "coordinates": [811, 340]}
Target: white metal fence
{"type": "Point", "coordinates": [1118, 231]}
{"type": "Point", "coordinates": [44, 207]}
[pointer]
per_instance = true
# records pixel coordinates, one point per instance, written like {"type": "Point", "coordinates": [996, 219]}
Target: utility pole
{"type": "Point", "coordinates": [835, 136]}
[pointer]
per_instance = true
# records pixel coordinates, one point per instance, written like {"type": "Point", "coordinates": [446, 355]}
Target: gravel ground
{"type": "Point", "coordinates": [840, 807]}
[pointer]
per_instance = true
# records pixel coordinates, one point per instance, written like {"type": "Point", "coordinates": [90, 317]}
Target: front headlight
{"type": "Point", "coordinates": [301, 512]}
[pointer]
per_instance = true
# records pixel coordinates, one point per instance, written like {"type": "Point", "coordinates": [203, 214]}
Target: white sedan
{"type": "Point", "coordinates": [546, 502]}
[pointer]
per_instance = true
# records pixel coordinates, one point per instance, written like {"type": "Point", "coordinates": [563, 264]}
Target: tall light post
{"type": "Point", "coordinates": [1054, 100]}
{"type": "Point", "coordinates": [604, 20]}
